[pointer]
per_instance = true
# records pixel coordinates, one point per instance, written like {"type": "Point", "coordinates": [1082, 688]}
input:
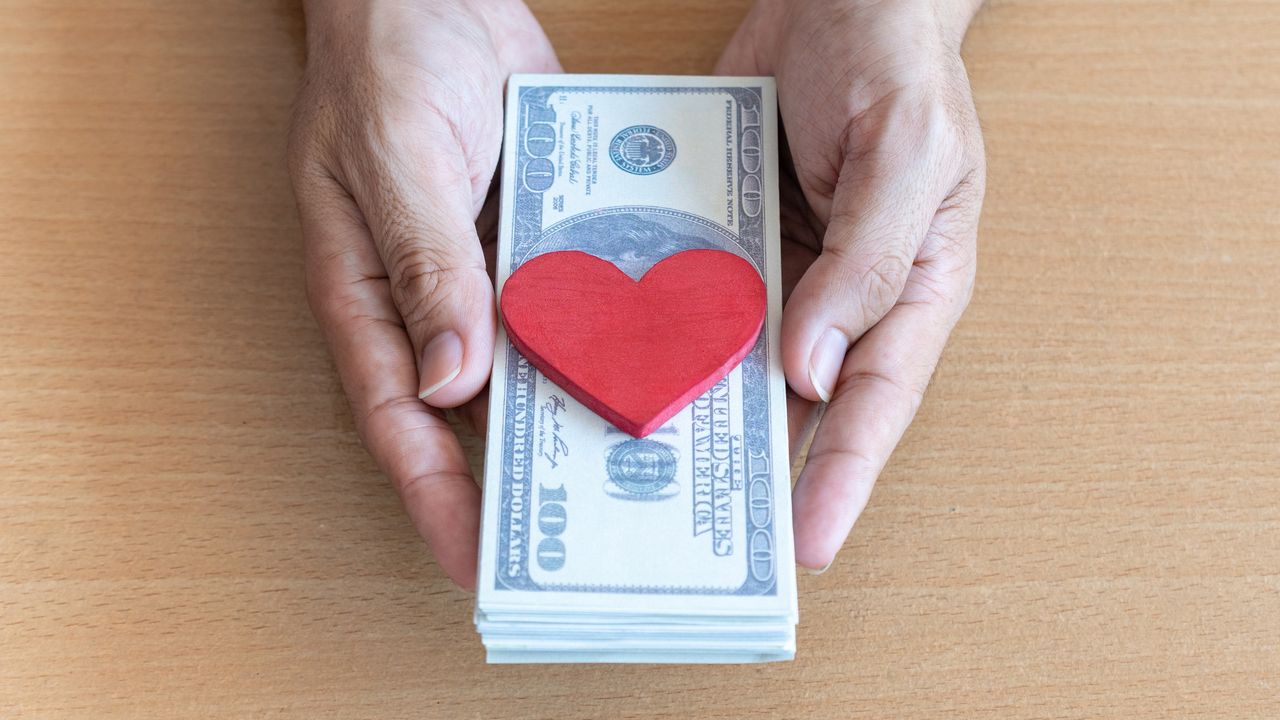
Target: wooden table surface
{"type": "Point", "coordinates": [1083, 521]}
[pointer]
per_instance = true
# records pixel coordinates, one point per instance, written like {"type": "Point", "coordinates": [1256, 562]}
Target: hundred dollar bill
{"type": "Point", "coordinates": [580, 519]}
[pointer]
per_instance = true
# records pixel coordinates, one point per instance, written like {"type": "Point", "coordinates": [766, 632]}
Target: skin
{"type": "Point", "coordinates": [879, 226]}
{"type": "Point", "coordinates": [395, 141]}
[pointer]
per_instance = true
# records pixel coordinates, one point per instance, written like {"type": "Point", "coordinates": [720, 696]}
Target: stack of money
{"type": "Point", "coordinates": [598, 546]}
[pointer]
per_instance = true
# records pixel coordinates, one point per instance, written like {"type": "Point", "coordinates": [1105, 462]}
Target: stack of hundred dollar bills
{"type": "Point", "coordinates": [597, 546]}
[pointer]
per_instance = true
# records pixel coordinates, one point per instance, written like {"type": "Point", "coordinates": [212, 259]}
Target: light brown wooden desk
{"type": "Point", "coordinates": [1083, 521]}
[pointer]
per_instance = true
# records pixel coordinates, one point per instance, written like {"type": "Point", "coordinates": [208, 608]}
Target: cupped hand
{"type": "Point", "coordinates": [395, 140]}
{"type": "Point", "coordinates": [880, 214]}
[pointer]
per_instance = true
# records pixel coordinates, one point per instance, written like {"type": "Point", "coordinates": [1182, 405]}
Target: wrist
{"type": "Point", "coordinates": [328, 20]}
{"type": "Point", "coordinates": [949, 19]}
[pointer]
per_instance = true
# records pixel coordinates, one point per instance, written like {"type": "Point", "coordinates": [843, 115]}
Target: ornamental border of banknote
{"type": "Point", "coordinates": [743, 113]}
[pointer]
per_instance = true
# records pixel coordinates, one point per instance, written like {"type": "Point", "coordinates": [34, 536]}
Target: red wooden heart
{"type": "Point", "coordinates": [634, 352]}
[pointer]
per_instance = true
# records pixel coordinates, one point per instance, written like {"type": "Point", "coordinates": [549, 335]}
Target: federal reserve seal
{"type": "Point", "coordinates": [641, 470]}
{"type": "Point", "coordinates": [642, 149]}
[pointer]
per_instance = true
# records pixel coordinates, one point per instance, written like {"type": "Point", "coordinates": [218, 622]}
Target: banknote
{"type": "Point", "coordinates": [585, 526]}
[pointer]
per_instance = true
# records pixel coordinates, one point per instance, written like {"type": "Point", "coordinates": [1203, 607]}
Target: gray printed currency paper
{"type": "Point", "coordinates": [585, 526]}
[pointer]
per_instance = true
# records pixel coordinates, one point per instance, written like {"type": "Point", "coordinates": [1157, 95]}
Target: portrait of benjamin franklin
{"type": "Point", "coordinates": [635, 239]}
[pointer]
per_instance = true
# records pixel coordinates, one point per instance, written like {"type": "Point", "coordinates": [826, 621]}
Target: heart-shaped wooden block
{"type": "Point", "coordinates": [634, 352]}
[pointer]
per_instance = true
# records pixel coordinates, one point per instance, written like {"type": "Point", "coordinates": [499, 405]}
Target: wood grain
{"type": "Point", "coordinates": [1083, 521]}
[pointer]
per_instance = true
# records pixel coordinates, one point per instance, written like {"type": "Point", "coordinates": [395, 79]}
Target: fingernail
{"type": "Point", "coordinates": [812, 571]}
{"type": "Point", "coordinates": [824, 363]}
{"type": "Point", "coordinates": [441, 363]}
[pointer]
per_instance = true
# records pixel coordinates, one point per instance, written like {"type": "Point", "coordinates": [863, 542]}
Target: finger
{"type": "Point", "coordinates": [881, 385]}
{"type": "Point", "coordinates": [884, 201]}
{"type": "Point", "coordinates": [412, 443]}
{"type": "Point", "coordinates": [418, 199]}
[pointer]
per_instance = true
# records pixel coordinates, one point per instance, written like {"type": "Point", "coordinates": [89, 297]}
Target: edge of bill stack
{"type": "Point", "coordinates": [597, 546]}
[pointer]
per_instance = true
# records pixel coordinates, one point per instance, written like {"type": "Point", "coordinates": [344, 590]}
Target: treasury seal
{"type": "Point", "coordinates": [642, 468]}
{"type": "Point", "coordinates": [642, 149]}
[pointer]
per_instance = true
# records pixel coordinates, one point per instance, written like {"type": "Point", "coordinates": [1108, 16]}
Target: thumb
{"type": "Point", "coordinates": [418, 202]}
{"type": "Point", "coordinates": [881, 209]}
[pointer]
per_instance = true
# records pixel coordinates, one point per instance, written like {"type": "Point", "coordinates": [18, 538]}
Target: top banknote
{"type": "Point", "coordinates": [694, 520]}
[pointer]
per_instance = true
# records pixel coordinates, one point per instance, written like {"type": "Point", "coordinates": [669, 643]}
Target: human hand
{"type": "Point", "coordinates": [879, 222]}
{"type": "Point", "coordinates": [395, 140]}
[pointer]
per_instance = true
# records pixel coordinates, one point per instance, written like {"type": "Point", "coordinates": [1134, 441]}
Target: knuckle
{"type": "Point", "coordinates": [881, 282]}
{"type": "Point", "coordinates": [426, 483]}
{"type": "Point", "coordinates": [948, 283]}
{"type": "Point", "coordinates": [854, 463]}
{"type": "Point", "coordinates": [423, 278]}
{"type": "Point", "coordinates": [418, 289]}
{"type": "Point", "coordinates": [955, 248]}
{"type": "Point", "coordinates": [933, 123]}
{"type": "Point", "coordinates": [897, 135]}
{"type": "Point", "coordinates": [876, 283]}
{"type": "Point", "coordinates": [382, 414]}
{"type": "Point", "coordinates": [946, 277]}
{"type": "Point", "coordinates": [341, 297]}
{"type": "Point", "coordinates": [942, 134]}
{"type": "Point", "coordinates": [416, 268]}
{"type": "Point", "coordinates": [379, 425]}
{"type": "Point", "coordinates": [870, 378]}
